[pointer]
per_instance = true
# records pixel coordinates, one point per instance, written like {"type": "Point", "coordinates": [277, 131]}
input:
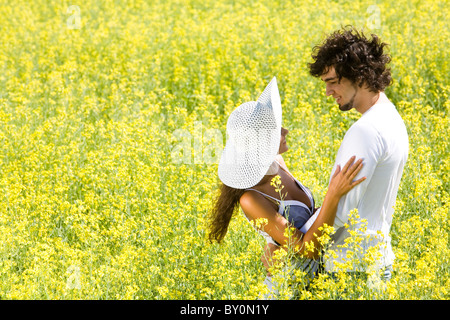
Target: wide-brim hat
{"type": "Point", "coordinates": [253, 140]}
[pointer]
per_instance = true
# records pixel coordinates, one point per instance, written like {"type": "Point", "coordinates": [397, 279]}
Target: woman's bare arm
{"type": "Point", "coordinates": [254, 206]}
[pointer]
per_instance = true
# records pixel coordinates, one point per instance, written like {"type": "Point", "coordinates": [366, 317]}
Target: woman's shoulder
{"type": "Point", "coordinates": [248, 199]}
{"type": "Point", "coordinates": [254, 204]}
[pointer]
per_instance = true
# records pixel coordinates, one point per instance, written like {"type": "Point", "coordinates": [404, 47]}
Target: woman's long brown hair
{"type": "Point", "coordinates": [226, 203]}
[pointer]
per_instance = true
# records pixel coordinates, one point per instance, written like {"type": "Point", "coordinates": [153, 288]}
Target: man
{"type": "Point", "coordinates": [354, 71]}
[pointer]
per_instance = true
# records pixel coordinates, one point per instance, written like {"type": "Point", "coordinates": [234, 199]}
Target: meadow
{"type": "Point", "coordinates": [112, 120]}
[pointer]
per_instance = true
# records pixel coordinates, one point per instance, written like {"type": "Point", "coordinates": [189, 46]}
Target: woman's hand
{"type": "Point", "coordinates": [342, 180]}
{"type": "Point", "coordinates": [341, 183]}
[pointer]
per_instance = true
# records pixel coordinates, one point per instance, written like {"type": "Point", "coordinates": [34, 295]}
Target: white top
{"type": "Point", "coordinates": [381, 139]}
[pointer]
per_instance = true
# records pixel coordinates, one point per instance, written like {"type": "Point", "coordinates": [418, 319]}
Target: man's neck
{"type": "Point", "coordinates": [367, 100]}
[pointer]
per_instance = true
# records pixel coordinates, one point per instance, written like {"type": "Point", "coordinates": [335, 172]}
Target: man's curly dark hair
{"type": "Point", "coordinates": [354, 57]}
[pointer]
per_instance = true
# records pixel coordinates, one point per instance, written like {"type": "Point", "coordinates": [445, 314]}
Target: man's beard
{"type": "Point", "coordinates": [349, 105]}
{"type": "Point", "coordinates": [346, 107]}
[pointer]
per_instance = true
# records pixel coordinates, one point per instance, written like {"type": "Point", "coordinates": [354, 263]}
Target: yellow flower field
{"type": "Point", "coordinates": [112, 120]}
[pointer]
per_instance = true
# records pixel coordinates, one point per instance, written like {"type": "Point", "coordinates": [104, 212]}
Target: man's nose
{"type": "Point", "coordinates": [329, 91]}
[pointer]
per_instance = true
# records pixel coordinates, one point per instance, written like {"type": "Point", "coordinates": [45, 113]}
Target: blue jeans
{"type": "Point", "coordinates": [386, 274]}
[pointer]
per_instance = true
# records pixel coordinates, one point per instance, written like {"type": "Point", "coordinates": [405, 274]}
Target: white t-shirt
{"type": "Point", "coordinates": [381, 139]}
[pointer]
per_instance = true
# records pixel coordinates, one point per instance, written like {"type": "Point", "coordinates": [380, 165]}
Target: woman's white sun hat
{"type": "Point", "coordinates": [253, 131]}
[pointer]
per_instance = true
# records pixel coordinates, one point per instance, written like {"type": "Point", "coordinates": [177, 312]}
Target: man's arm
{"type": "Point", "coordinates": [364, 142]}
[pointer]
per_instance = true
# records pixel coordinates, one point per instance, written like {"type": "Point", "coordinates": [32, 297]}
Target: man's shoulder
{"type": "Point", "coordinates": [362, 127]}
{"type": "Point", "coordinates": [380, 119]}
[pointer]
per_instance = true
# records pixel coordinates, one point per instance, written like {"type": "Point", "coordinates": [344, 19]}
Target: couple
{"type": "Point", "coordinates": [367, 170]}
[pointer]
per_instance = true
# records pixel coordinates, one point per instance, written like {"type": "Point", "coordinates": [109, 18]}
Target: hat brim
{"type": "Point", "coordinates": [248, 155]}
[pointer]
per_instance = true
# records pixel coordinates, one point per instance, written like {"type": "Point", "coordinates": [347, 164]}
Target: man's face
{"type": "Point", "coordinates": [344, 91]}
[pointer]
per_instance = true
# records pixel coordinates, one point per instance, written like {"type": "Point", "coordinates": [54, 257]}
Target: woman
{"type": "Point", "coordinates": [250, 160]}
